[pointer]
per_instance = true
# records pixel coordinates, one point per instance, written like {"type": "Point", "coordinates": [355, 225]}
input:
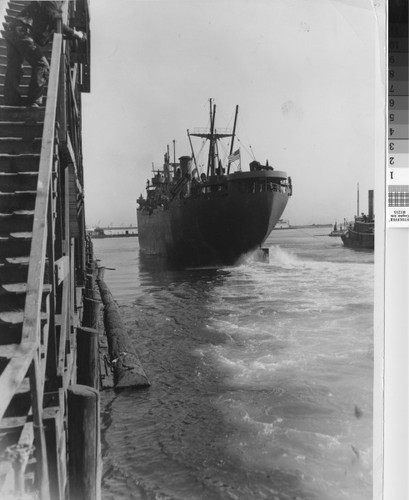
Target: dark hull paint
{"type": "Point", "coordinates": [211, 229]}
{"type": "Point", "coordinates": [358, 240]}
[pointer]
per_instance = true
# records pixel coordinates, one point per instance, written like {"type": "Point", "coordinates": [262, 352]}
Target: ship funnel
{"type": "Point", "coordinates": [370, 204]}
{"type": "Point", "coordinates": [185, 164]}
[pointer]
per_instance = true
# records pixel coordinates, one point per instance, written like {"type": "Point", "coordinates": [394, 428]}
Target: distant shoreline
{"type": "Point", "coordinates": [303, 226]}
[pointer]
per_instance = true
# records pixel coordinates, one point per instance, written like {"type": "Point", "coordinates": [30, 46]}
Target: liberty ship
{"type": "Point", "coordinates": [198, 219]}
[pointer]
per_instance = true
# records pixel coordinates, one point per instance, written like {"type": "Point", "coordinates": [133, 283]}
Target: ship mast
{"type": "Point", "coordinates": [191, 147]}
{"type": "Point", "coordinates": [232, 140]}
{"type": "Point", "coordinates": [210, 162]}
{"type": "Point", "coordinates": [212, 136]}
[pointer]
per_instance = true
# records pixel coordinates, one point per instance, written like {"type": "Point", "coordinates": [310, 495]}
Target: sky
{"type": "Point", "coordinates": [306, 75]}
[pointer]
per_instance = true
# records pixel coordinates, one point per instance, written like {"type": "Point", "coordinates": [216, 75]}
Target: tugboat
{"type": "Point", "coordinates": [337, 231]}
{"type": "Point", "coordinates": [200, 219]}
{"type": "Point", "coordinates": [361, 234]}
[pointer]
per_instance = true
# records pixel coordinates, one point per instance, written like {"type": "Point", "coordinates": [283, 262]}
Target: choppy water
{"type": "Point", "coordinates": [261, 375]}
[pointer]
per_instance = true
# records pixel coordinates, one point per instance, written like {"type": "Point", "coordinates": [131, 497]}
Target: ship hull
{"type": "Point", "coordinates": [212, 229]}
{"type": "Point", "coordinates": [358, 240]}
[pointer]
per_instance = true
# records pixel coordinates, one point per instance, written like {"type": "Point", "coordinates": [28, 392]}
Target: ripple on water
{"type": "Point", "coordinates": [254, 376]}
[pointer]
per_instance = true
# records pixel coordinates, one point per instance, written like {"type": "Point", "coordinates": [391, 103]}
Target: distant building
{"type": "Point", "coordinates": [282, 224]}
{"type": "Point", "coordinates": [113, 232]}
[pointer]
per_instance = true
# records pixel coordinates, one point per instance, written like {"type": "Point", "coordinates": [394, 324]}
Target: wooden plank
{"type": "Point", "coordinates": [8, 351]}
{"type": "Point", "coordinates": [53, 428]}
{"type": "Point", "coordinates": [72, 89]}
{"type": "Point", "coordinates": [62, 268]}
{"type": "Point", "coordinates": [24, 386]}
{"type": "Point", "coordinates": [39, 240]}
{"type": "Point", "coordinates": [63, 319]}
{"type": "Point", "coordinates": [51, 363]}
{"type": "Point", "coordinates": [71, 154]}
{"type": "Point", "coordinates": [54, 418]}
{"type": "Point", "coordinates": [13, 422]}
{"type": "Point", "coordinates": [72, 197]}
{"type": "Point", "coordinates": [78, 297]}
{"type": "Point", "coordinates": [14, 373]}
{"type": "Point", "coordinates": [43, 352]}
{"type": "Point", "coordinates": [37, 389]}
{"type": "Point", "coordinates": [70, 376]}
{"type": "Point", "coordinates": [73, 315]}
{"type": "Point", "coordinates": [27, 436]}
{"type": "Point", "coordinates": [63, 464]}
{"type": "Point", "coordinates": [67, 237]}
{"type": "Point", "coordinates": [61, 444]}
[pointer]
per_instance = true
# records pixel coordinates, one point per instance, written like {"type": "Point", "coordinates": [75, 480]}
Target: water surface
{"type": "Point", "coordinates": [261, 375]}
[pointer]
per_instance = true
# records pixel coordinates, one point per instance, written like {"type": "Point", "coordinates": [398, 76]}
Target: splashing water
{"type": "Point", "coordinates": [261, 376]}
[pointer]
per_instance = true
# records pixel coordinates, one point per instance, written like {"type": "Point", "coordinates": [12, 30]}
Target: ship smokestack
{"type": "Point", "coordinates": [370, 204]}
{"type": "Point", "coordinates": [185, 164]}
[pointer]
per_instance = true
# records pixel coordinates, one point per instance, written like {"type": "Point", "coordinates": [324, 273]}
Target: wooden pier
{"type": "Point", "coordinates": [49, 422]}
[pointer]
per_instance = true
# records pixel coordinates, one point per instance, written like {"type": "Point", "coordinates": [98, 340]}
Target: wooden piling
{"type": "Point", "coordinates": [128, 370]}
{"type": "Point", "coordinates": [87, 357]}
{"type": "Point", "coordinates": [91, 311]}
{"type": "Point", "coordinates": [84, 443]}
{"type": "Point", "coordinates": [90, 280]}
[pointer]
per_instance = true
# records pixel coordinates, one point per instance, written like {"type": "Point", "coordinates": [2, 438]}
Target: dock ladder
{"type": "Point", "coordinates": [43, 260]}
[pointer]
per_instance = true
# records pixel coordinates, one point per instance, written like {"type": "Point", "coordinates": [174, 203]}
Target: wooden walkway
{"type": "Point", "coordinates": [44, 262]}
